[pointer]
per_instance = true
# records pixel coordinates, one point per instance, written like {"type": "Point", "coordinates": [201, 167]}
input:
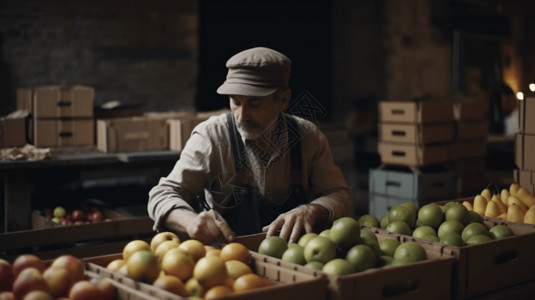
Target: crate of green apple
{"type": "Point", "coordinates": [360, 261]}
{"type": "Point", "coordinates": [490, 254]}
{"type": "Point", "coordinates": [60, 216]}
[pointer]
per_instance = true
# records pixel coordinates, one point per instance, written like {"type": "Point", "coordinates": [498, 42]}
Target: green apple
{"type": "Point", "coordinates": [452, 239]}
{"type": "Point", "coordinates": [384, 261]}
{"type": "Point", "coordinates": [316, 265]}
{"type": "Point", "coordinates": [59, 212]}
{"type": "Point", "coordinates": [500, 231]}
{"type": "Point", "coordinates": [399, 227]}
{"type": "Point", "coordinates": [474, 217]}
{"type": "Point", "coordinates": [412, 208]}
{"type": "Point", "coordinates": [361, 257]}
{"type": "Point", "coordinates": [273, 246]}
{"type": "Point", "coordinates": [368, 220]}
{"type": "Point", "coordinates": [449, 227]}
{"type": "Point", "coordinates": [456, 211]}
{"type": "Point", "coordinates": [478, 238]}
{"type": "Point", "coordinates": [303, 240]}
{"type": "Point", "coordinates": [338, 266]}
{"type": "Point", "coordinates": [294, 254]}
{"type": "Point", "coordinates": [320, 249]}
{"type": "Point", "coordinates": [383, 222]}
{"type": "Point", "coordinates": [473, 229]}
{"type": "Point", "coordinates": [326, 233]}
{"type": "Point", "coordinates": [420, 232]}
{"type": "Point", "coordinates": [388, 246]}
{"type": "Point", "coordinates": [345, 232]}
{"type": "Point", "coordinates": [430, 215]}
{"type": "Point", "coordinates": [409, 252]}
{"type": "Point", "coordinates": [402, 213]}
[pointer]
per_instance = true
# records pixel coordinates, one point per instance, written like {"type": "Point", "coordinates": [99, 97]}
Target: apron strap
{"type": "Point", "coordinates": [240, 162]}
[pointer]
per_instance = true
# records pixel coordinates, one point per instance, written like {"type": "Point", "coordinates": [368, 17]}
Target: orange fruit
{"type": "Point", "coordinates": [249, 282]}
{"type": "Point", "coordinates": [178, 263]}
{"type": "Point", "coordinates": [172, 284]}
{"type": "Point", "coordinates": [134, 246]}
{"type": "Point", "coordinates": [235, 251]}
{"type": "Point", "coordinates": [194, 248]}
{"type": "Point", "coordinates": [236, 268]}
{"type": "Point", "coordinates": [210, 271]}
{"type": "Point", "coordinates": [218, 291]}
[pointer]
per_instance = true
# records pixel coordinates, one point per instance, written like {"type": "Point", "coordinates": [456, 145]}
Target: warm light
{"type": "Point", "coordinates": [532, 87]}
{"type": "Point", "coordinates": [520, 96]}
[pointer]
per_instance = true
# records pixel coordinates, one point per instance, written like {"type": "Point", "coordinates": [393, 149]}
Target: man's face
{"type": "Point", "coordinates": [254, 115]}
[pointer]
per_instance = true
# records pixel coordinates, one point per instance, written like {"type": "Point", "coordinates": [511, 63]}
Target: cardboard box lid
{"type": "Point", "coordinates": [421, 134]}
{"type": "Point", "coordinates": [415, 112]}
{"type": "Point", "coordinates": [526, 118]}
{"type": "Point", "coordinates": [57, 101]}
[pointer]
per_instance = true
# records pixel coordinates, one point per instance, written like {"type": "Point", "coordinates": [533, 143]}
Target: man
{"type": "Point", "coordinates": [254, 169]}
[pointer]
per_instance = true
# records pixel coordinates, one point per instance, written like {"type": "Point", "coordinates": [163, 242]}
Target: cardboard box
{"type": "Point", "coordinates": [289, 284]}
{"type": "Point", "coordinates": [132, 134]}
{"type": "Point", "coordinates": [57, 101]}
{"type": "Point", "coordinates": [491, 266]}
{"type": "Point", "coordinates": [526, 116]}
{"type": "Point", "coordinates": [415, 112]}
{"type": "Point", "coordinates": [124, 292]}
{"type": "Point", "coordinates": [180, 131]}
{"type": "Point", "coordinates": [413, 183]}
{"type": "Point", "coordinates": [420, 134]}
{"type": "Point", "coordinates": [469, 149]}
{"type": "Point", "coordinates": [62, 132]}
{"type": "Point", "coordinates": [413, 155]}
{"type": "Point", "coordinates": [472, 130]}
{"type": "Point", "coordinates": [524, 153]}
{"type": "Point", "coordinates": [470, 109]}
{"type": "Point", "coordinates": [411, 281]}
{"type": "Point", "coordinates": [525, 179]}
{"type": "Point", "coordinates": [12, 132]}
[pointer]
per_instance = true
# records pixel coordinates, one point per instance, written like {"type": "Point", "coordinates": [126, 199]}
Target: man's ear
{"type": "Point", "coordinates": [285, 98]}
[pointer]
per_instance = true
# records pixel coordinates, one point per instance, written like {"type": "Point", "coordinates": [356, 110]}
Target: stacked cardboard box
{"type": "Point", "coordinates": [59, 115]}
{"type": "Point", "coordinates": [415, 141]}
{"type": "Point", "coordinates": [524, 145]}
{"type": "Point", "coordinates": [12, 132]}
{"type": "Point", "coordinates": [469, 148]}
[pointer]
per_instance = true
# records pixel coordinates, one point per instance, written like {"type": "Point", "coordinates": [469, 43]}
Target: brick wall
{"type": "Point", "coordinates": [128, 50]}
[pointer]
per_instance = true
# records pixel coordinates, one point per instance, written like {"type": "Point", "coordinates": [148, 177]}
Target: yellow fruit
{"type": "Point", "coordinates": [486, 194]}
{"type": "Point", "coordinates": [529, 217]}
{"type": "Point", "coordinates": [194, 288]}
{"type": "Point", "coordinates": [513, 200]}
{"type": "Point", "coordinates": [214, 251]}
{"type": "Point", "coordinates": [504, 196]}
{"type": "Point", "coordinates": [249, 282]}
{"type": "Point", "coordinates": [134, 246]}
{"type": "Point", "coordinates": [468, 205]}
{"type": "Point", "coordinates": [501, 206]}
{"type": "Point", "coordinates": [210, 271]}
{"type": "Point", "coordinates": [525, 196]}
{"type": "Point", "coordinates": [503, 217]}
{"type": "Point", "coordinates": [515, 214]}
{"type": "Point", "coordinates": [178, 263]}
{"type": "Point", "coordinates": [480, 204]}
{"type": "Point", "coordinates": [492, 210]}
{"type": "Point", "coordinates": [235, 251]}
{"type": "Point", "coordinates": [171, 284]}
{"type": "Point", "coordinates": [217, 292]}
{"type": "Point", "coordinates": [513, 188]}
{"type": "Point", "coordinates": [236, 268]}
{"type": "Point", "coordinates": [194, 248]}
{"type": "Point", "coordinates": [143, 266]}
{"type": "Point", "coordinates": [164, 247]}
{"type": "Point", "coordinates": [162, 237]}
{"type": "Point", "coordinates": [115, 265]}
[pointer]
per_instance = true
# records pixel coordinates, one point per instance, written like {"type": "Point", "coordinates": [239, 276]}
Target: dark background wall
{"type": "Point", "coordinates": [170, 54]}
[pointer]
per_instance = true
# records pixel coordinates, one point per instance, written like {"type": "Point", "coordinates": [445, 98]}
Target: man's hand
{"type": "Point", "coordinates": [206, 227]}
{"type": "Point", "coordinates": [293, 222]}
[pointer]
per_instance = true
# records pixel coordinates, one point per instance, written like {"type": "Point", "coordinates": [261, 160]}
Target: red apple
{"type": "Point", "coordinates": [7, 295]}
{"type": "Point", "coordinates": [29, 279]}
{"type": "Point", "coordinates": [65, 221]}
{"type": "Point", "coordinates": [84, 290]}
{"type": "Point", "coordinates": [74, 265]}
{"type": "Point", "coordinates": [96, 216]}
{"type": "Point", "coordinates": [59, 281]}
{"type": "Point", "coordinates": [24, 261]}
{"type": "Point", "coordinates": [77, 215]}
{"type": "Point", "coordinates": [106, 288]}
{"type": "Point", "coordinates": [6, 276]}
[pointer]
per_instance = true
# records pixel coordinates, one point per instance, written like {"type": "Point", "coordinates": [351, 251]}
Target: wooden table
{"type": "Point", "coordinates": [18, 177]}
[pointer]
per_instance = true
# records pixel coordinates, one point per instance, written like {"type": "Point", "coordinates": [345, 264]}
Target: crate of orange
{"type": "Point", "coordinates": [170, 268]}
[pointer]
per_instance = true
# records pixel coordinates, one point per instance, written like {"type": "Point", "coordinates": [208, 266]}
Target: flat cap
{"type": "Point", "coordinates": [257, 72]}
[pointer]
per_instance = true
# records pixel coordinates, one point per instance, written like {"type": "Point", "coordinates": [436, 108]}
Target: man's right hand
{"type": "Point", "coordinates": [206, 227]}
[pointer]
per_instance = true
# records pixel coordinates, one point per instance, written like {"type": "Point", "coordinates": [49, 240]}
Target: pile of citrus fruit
{"type": "Point", "coordinates": [343, 249]}
{"type": "Point", "coordinates": [189, 268]}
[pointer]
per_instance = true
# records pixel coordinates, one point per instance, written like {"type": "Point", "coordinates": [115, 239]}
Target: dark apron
{"type": "Point", "coordinates": [252, 210]}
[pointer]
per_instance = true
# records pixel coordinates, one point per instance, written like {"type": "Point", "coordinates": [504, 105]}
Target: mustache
{"type": "Point", "coordinates": [248, 125]}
